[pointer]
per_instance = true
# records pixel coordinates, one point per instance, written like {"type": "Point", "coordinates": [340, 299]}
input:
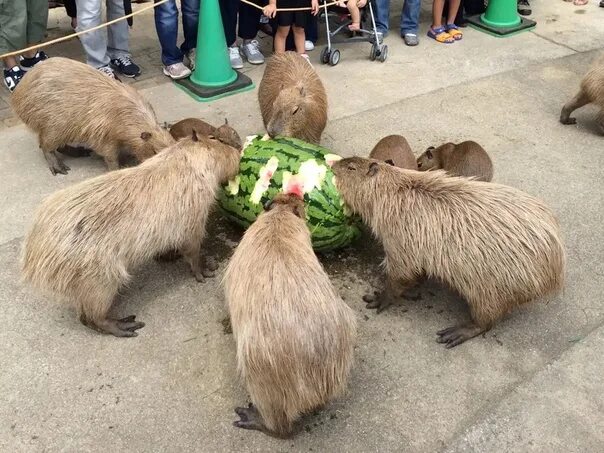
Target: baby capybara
{"type": "Point", "coordinates": [87, 239]}
{"type": "Point", "coordinates": [497, 246]}
{"type": "Point", "coordinates": [225, 133]}
{"type": "Point", "coordinates": [395, 150]}
{"type": "Point", "coordinates": [292, 98]}
{"type": "Point", "coordinates": [463, 159]}
{"type": "Point", "coordinates": [294, 334]}
{"type": "Point", "coordinates": [65, 101]}
{"type": "Point", "coordinates": [591, 91]}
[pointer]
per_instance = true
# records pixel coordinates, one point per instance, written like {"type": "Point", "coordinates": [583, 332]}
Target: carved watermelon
{"type": "Point", "coordinates": [270, 166]}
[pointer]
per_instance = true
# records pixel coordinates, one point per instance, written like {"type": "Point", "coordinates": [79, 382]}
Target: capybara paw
{"type": "Point", "coordinates": [249, 418]}
{"type": "Point", "coordinates": [59, 167]}
{"type": "Point", "coordinates": [211, 264]}
{"type": "Point", "coordinates": [568, 120]}
{"type": "Point", "coordinates": [199, 277]}
{"type": "Point", "coordinates": [456, 335]}
{"type": "Point", "coordinates": [208, 273]}
{"type": "Point", "coordinates": [370, 297]}
{"type": "Point", "coordinates": [379, 302]}
{"type": "Point", "coordinates": [124, 327]}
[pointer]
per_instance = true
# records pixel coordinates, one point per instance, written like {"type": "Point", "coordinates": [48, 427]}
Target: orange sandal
{"type": "Point", "coordinates": [454, 32]}
{"type": "Point", "coordinates": [440, 35]}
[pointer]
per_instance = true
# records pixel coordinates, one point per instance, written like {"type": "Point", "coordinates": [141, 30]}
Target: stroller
{"type": "Point", "coordinates": [341, 20]}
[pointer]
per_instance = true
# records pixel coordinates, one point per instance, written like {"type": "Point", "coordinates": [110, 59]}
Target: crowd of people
{"type": "Point", "coordinates": [108, 50]}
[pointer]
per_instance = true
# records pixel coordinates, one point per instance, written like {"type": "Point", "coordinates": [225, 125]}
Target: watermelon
{"type": "Point", "coordinates": [270, 166]}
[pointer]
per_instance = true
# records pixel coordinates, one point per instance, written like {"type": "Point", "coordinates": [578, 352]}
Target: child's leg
{"type": "Point", "coordinates": [299, 38]}
{"type": "Point", "coordinates": [280, 37]}
{"type": "Point", "coordinates": [437, 13]}
{"type": "Point", "coordinates": [453, 8]}
{"type": "Point", "coordinates": [355, 15]}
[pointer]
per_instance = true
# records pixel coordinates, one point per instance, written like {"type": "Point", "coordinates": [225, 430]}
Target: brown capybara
{"type": "Point", "coordinates": [591, 91]}
{"type": "Point", "coordinates": [65, 101]}
{"type": "Point", "coordinates": [463, 159]}
{"type": "Point", "coordinates": [497, 246]}
{"type": "Point", "coordinates": [292, 98]}
{"type": "Point", "coordinates": [87, 239]}
{"type": "Point", "coordinates": [395, 150]}
{"type": "Point", "coordinates": [294, 334]}
{"type": "Point", "coordinates": [225, 133]}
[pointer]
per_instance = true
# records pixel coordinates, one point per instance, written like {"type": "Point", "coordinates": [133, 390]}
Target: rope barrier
{"type": "Point", "coordinates": [139, 11]}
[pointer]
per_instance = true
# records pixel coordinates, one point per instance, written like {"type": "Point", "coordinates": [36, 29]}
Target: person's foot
{"type": "Point", "coordinates": [524, 8]}
{"type": "Point", "coordinates": [28, 63]}
{"type": "Point", "coordinates": [106, 70]}
{"type": "Point", "coordinates": [190, 57]}
{"type": "Point", "coordinates": [411, 39]}
{"type": "Point", "coordinates": [12, 77]}
{"type": "Point", "coordinates": [126, 66]}
{"type": "Point", "coordinates": [251, 52]}
{"type": "Point", "coordinates": [177, 71]}
{"type": "Point", "coordinates": [309, 45]}
{"type": "Point", "coordinates": [235, 57]}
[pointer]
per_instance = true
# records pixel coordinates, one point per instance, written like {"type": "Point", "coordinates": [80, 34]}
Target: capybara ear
{"type": "Point", "coordinates": [302, 91]}
{"type": "Point", "coordinates": [194, 136]}
{"type": "Point", "coordinates": [297, 212]}
{"type": "Point", "coordinates": [373, 169]}
{"type": "Point", "coordinates": [226, 121]}
{"type": "Point", "coordinates": [146, 135]}
{"type": "Point", "coordinates": [390, 162]}
{"type": "Point", "coordinates": [429, 152]}
{"type": "Point", "coordinates": [268, 205]}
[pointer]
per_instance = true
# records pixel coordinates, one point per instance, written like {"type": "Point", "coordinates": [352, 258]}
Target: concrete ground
{"type": "Point", "coordinates": [533, 383]}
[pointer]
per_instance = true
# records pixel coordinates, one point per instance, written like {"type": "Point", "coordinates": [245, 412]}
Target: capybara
{"type": "Point", "coordinates": [395, 150]}
{"type": "Point", "coordinates": [225, 133]}
{"type": "Point", "coordinates": [292, 98]}
{"type": "Point", "coordinates": [463, 159]}
{"type": "Point", "coordinates": [87, 239]}
{"type": "Point", "coordinates": [591, 91]}
{"type": "Point", "coordinates": [294, 334]}
{"type": "Point", "coordinates": [65, 101]}
{"type": "Point", "coordinates": [497, 246]}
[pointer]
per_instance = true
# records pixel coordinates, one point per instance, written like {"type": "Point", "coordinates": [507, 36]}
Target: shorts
{"type": "Point", "coordinates": [297, 18]}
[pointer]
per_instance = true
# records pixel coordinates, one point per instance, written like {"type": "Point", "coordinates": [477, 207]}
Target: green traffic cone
{"type": "Point", "coordinates": [213, 77]}
{"type": "Point", "coordinates": [501, 19]}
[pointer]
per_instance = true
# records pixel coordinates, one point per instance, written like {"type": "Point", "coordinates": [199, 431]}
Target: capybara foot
{"type": "Point", "coordinates": [381, 301]}
{"type": "Point", "coordinates": [249, 418]}
{"type": "Point", "coordinates": [58, 167]}
{"type": "Point", "coordinates": [211, 264]}
{"type": "Point", "coordinates": [124, 327]}
{"type": "Point", "coordinates": [456, 335]}
{"type": "Point", "coordinates": [568, 120]}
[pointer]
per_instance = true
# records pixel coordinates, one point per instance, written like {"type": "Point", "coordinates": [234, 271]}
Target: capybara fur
{"type": "Point", "coordinates": [463, 159]}
{"type": "Point", "coordinates": [591, 91]}
{"type": "Point", "coordinates": [225, 133]}
{"type": "Point", "coordinates": [65, 101]}
{"type": "Point", "coordinates": [395, 150]}
{"type": "Point", "coordinates": [294, 334]}
{"type": "Point", "coordinates": [292, 98]}
{"type": "Point", "coordinates": [87, 239]}
{"type": "Point", "coordinates": [497, 246]}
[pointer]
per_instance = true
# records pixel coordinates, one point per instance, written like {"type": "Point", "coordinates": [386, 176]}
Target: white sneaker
{"type": "Point", "coordinates": [308, 46]}
{"type": "Point", "coordinates": [177, 71]}
{"type": "Point", "coordinates": [252, 53]}
{"type": "Point", "coordinates": [106, 70]}
{"type": "Point", "coordinates": [235, 57]}
{"type": "Point", "coordinates": [190, 56]}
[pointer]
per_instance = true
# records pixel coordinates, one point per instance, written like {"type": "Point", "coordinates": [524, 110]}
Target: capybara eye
{"type": "Point", "coordinates": [419, 165]}
{"type": "Point", "coordinates": [352, 167]}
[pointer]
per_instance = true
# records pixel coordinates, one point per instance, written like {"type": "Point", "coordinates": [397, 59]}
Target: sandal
{"type": "Point", "coordinates": [580, 2]}
{"type": "Point", "coordinates": [454, 32]}
{"type": "Point", "coordinates": [440, 35]}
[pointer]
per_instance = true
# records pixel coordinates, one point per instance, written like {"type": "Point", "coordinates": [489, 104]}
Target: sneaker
{"type": "Point", "coordinates": [411, 39]}
{"type": "Point", "coordinates": [251, 52]}
{"type": "Point", "coordinates": [235, 57]}
{"type": "Point", "coordinates": [524, 7]}
{"type": "Point", "coordinates": [190, 56]}
{"type": "Point", "coordinates": [12, 77]}
{"type": "Point", "coordinates": [177, 71]}
{"type": "Point", "coordinates": [106, 70]}
{"type": "Point", "coordinates": [28, 63]}
{"type": "Point", "coordinates": [309, 45]}
{"type": "Point", "coordinates": [126, 66]}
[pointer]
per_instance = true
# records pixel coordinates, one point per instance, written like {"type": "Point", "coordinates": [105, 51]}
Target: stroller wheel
{"type": "Point", "coordinates": [334, 58]}
{"type": "Point", "coordinates": [383, 54]}
{"type": "Point", "coordinates": [325, 54]}
{"type": "Point", "coordinates": [373, 53]}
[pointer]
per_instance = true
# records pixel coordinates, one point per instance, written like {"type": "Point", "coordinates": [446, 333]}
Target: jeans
{"type": "Point", "coordinates": [101, 46]}
{"type": "Point", "coordinates": [166, 25]}
{"type": "Point", "coordinates": [409, 16]}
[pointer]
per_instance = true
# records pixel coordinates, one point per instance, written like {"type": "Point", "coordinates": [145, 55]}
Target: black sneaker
{"type": "Point", "coordinates": [12, 77]}
{"type": "Point", "coordinates": [29, 63]}
{"type": "Point", "coordinates": [524, 8]}
{"type": "Point", "coordinates": [126, 66]}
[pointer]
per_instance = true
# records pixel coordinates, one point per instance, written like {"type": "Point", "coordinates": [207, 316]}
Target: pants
{"type": "Point", "coordinates": [101, 46]}
{"type": "Point", "coordinates": [409, 16]}
{"type": "Point", "coordinates": [22, 22]}
{"type": "Point", "coordinates": [249, 19]}
{"type": "Point", "coordinates": [70, 8]}
{"type": "Point", "coordinates": [166, 25]}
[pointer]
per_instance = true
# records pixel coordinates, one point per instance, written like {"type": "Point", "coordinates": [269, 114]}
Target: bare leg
{"type": "Point", "coordinates": [280, 37]}
{"type": "Point", "coordinates": [355, 15]}
{"type": "Point", "coordinates": [453, 8]}
{"type": "Point", "coordinates": [437, 13]}
{"type": "Point", "coordinates": [578, 101]}
{"type": "Point", "coordinates": [299, 38]}
{"type": "Point", "coordinates": [390, 295]}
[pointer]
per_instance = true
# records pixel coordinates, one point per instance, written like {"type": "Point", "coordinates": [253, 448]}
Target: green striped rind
{"type": "Point", "coordinates": [330, 227]}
